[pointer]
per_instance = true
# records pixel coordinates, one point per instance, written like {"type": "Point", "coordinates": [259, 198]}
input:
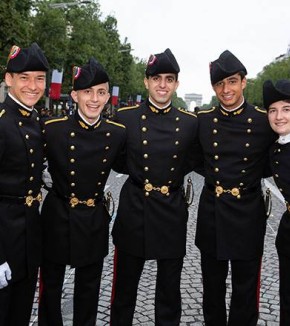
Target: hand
{"type": "Point", "coordinates": [46, 178]}
{"type": "Point", "coordinates": [5, 275]}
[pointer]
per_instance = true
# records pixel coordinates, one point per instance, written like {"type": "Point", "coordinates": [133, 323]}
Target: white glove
{"type": "Point", "coordinates": [46, 178]}
{"type": "Point", "coordinates": [5, 275]}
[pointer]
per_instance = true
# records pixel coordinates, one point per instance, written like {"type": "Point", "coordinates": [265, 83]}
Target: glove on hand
{"type": "Point", "coordinates": [5, 275]}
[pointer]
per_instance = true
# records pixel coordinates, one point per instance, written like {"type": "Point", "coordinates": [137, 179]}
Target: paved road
{"type": "Point", "coordinates": [191, 277]}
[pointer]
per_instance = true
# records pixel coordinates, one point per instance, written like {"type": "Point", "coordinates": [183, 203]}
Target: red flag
{"type": "Point", "coordinates": [55, 85]}
{"type": "Point", "coordinates": [115, 94]}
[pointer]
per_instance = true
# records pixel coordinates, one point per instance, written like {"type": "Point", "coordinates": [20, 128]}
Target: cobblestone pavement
{"type": "Point", "coordinates": [191, 286]}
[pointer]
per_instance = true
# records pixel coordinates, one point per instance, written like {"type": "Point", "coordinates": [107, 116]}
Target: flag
{"type": "Point", "coordinates": [115, 95]}
{"type": "Point", "coordinates": [138, 99]}
{"type": "Point", "coordinates": [55, 85]}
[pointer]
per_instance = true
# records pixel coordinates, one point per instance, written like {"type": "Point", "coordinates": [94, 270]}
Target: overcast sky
{"type": "Point", "coordinates": [197, 31]}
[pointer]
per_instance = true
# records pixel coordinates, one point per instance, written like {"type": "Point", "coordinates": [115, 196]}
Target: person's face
{"type": "Point", "coordinates": [161, 88]}
{"type": "Point", "coordinates": [279, 117]}
{"type": "Point", "coordinates": [229, 91]}
{"type": "Point", "coordinates": [27, 87]}
{"type": "Point", "coordinates": [91, 101]}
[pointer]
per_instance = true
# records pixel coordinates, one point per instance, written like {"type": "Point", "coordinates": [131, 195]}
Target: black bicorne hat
{"type": "Point", "coordinates": [226, 65]}
{"type": "Point", "coordinates": [88, 75]}
{"type": "Point", "coordinates": [274, 93]}
{"type": "Point", "coordinates": [162, 63]}
{"type": "Point", "coordinates": [26, 59]}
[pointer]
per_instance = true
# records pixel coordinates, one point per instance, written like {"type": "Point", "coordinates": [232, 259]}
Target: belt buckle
{"type": "Point", "coordinates": [235, 192]}
{"type": "Point", "coordinates": [90, 202]}
{"type": "Point", "coordinates": [219, 190]}
{"type": "Point", "coordinates": [29, 200]}
{"type": "Point", "coordinates": [73, 201]}
{"type": "Point", "coordinates": [164, 190]}
{"type": "Point", "coordinates": [148, 187]}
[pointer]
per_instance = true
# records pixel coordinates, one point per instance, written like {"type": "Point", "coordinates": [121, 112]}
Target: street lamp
{"type": "Point", "coordinates": [68, 4]}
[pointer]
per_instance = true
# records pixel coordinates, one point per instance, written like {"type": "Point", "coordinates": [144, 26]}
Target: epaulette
{"type": "Point", "coordinates": [201, 111]}
{"type": "Point", "coordinates": [128, 108]}
{"type": "Point", "coordinates": [55, 120]}
{"type": "Point", "coordinates": [260, 110]}
{"type": "Point", "coordinates": [186, 112]}
{"type": "Point", "coordinates": [2, 113]}
{"type": "Point", "coordinates": [115, 123]}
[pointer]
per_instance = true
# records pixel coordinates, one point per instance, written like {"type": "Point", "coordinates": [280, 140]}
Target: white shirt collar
{"type": "Point", "coordinates": [21, 104]}
{"type": "Point", "coordinates": [231, 110]}
{"type": "Point", "coordinates": [86, 121]}
{"type": "Point", "coordinates": [284, 139]}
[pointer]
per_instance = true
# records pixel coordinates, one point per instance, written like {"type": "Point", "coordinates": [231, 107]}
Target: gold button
{"type": "Point", "coordinates": [37, 118]}
{"type": "Point", "coordinates": [146, 168]}
{"type": "Point", "coordinates": [108, 134]}
{"type": "Point", "coordinates": [144, 129]}
{"type": "Point", "coordinates": [31, 179]}
{"type": "Point", "coordinates": [241, 184]}
{"type": "Point", "coordinates": [72, 160]}
{"type": "Point", "coordinates": [276, 175]}
{"type": "Point", "coordinates": [99, 183]}
{"type": "Point", "coordinates": [247, 145]}
{"type": "Point", "coordinates": [172, 169]}
{"type": "Point", "coordinates": [72, 194]}
{"type": "Point", "coordinates": [107, 147]}
{"type": "Point", "coordinates": [215, 120]}
{"type": "Point", "coordinates": [146, 194]}
{"type": "Point", "coordinates": [145, 142]}
{"type": "Point", "coordinates": [214, 131]}
{"type": "Point", "coordinates": [174, 156]}
{"type": "Point", "coordinates": [104, 160]}
{"type": "Point", "coordinates": [72, 148]}
{"type": "Point", "coordinates": [27, 136]}
{"type": "Point", "coordinates": [96, 194]}
{"type": "Point", "coordinates": [250, 120]}
{"type": "Point", "coordinates": [217, 182]}
{"type": "Point", "coordinates": [145, 155]}
{"type": "Point", "coordinates": [146, 181]}
{"type": "Point", "coordinates": [20, 123]}
{"type": "Point", "coordinates": [72, 134]}
{"type": "Point", "coordinates": [177, 129]}
{"type": "Point", "coordinates": [216, 169]}
{"type": "Point", "coordinates": [216, 157]}
{"type": "Point", "coordinates": [215, 144]}
{"type": "Point", "coordinates": [281, 189]}
{"type": "Point", "coordinates": [245, 159]}
{"type": "Point", "coordinates": [249, 131]}
{"type": "Point", "coordinates": [30, 192]}
{"type": "Point", "coordinates": [72, 184]}
{"type": "Point", "coordinates": [72, 173]}
{"type": "Point", "coordinates": [143, 117]}
{"type": "Point", "coordinates": [32, 165]}
{"type": "Point", "coordinates": [177, 118]}
{"type": "Point", "coordinates": [31, 150]}
{"type": "Point", "coordinates": [177, 142]}
{"type": "Point", "coordinates": [103, 172]}
{"type": "Point", "coordinates": [243, 171]}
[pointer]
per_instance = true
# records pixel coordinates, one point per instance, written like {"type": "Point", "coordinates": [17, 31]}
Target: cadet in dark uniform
{"type": "Point", "coordinates": [81, 150]}
{"type": "Point", "coordinates": [21, 163]}
{"type": "Point", "coordinates": [235, 137]}
{"type": "Point", "coordinates": [152, 214]}
{"type": "Point", "coordinates": [277, 102]}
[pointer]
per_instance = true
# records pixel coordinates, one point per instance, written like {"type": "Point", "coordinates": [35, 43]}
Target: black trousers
{"type": "Point", "coordinates": [284, 289]}
{"type": "Point", "coordinates": [86, 294]}
{"type": "Point", "coordinates": [16, 301]}
{"type": "Point", "coordinates": [127, 273]}
{"type": "Point", "coordinates": [244, 305]}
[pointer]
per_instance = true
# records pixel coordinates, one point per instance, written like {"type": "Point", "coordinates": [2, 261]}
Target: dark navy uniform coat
{"type": "Point", "coordinates": [80, 158]}
{"type": "Point", "coordinates": [280, 163]}
{"type": "Point", "coordinates": [160, 151]}
{"type": "Point", "coordinates": [21, 163]}
{"type": "Point", "coordinates": [236, 147]}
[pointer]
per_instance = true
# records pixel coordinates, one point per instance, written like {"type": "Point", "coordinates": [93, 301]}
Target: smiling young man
{"type": "Point", "coordinates": [235, 137]}
{"type": "Point", "coordinates": [81, 151]}
{"type": "Point", "coordinates": [21, 163]}
{"type": "Point", "coordinates": [277, 102]}
{"type": "Point", "coordinates": [152, 214]}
